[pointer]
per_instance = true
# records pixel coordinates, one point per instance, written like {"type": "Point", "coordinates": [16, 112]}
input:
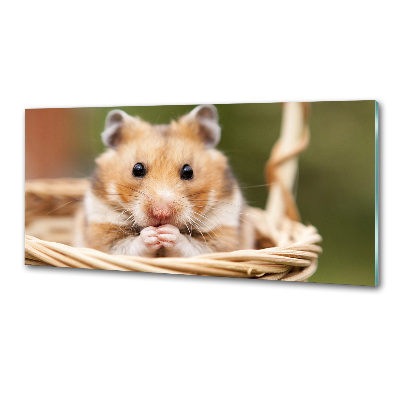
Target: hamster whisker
{"type": "Point", "coordinates": [256, 186]}
{"type": "Point", "coordinates": [155, 123]}
{"type": "Point", "coordinates": [105, 233]}
{"type": "Point", "coordinates": [216, 216]}
{"type": "Point", "coordinates": [231, 212]}
{"type": "Point", "coordinates": [144, 194]}
{"type": "Point", "coordinates": [190, 233]}
{"type": "Point", "coordinates": [197, 228]}
{"type": "Point", "coordinates": [132, 190]}
{"type": "Point", "coordinates": [109, 194]}
{"type": "Point", "coordinates": [205, 217]}
{"type": "Point", "coordinates": [219, 202]}
{"type": "Point", "coordinates": [120, 184]}
{"type": "Point", "coordinates": [214, 208]}
{"type": "Point", "coordinates": [119, 226]}
{"type": "Point", "coordinates": [194, 194]}
{"type": "Point", "coordinates": [63, 205]}
{"type": "Point", "coordinates": [210, 230]}
{"type": "Point", "coordinates": [199, 221]}
{"type": "Point", "coordinates": [234, 205]}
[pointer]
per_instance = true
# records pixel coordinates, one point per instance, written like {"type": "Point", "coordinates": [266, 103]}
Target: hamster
{"type": "Point", "coordinates": [164, 190]}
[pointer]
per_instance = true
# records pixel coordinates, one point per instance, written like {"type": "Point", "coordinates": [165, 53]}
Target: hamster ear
{"type": "Point", "coordinates": [115, 120]}
{"type": "Point", "coordinates": [206, 117]}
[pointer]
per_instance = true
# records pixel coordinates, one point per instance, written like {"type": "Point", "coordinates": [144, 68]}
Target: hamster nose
{"type": "Point", "coordinates": [162, 211]}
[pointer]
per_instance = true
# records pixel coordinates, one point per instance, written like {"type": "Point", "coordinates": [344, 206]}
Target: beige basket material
{"type": "Point", "coordinates": [281, 169]}
{"type": "Point", "coordinates": [49, 197]}
{"type": "Point", "coordinates": [293, 256]}
{"type": "Point", "coordinates": [272, 263]}
{"type": "Point", "coordinates": [54, 229]}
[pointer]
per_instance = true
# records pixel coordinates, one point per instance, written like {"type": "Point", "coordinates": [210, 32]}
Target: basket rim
{"type": "Point", "coordinates": [294, 261]}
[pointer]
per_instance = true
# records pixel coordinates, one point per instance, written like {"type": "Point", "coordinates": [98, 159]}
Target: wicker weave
{"type": "Point", "coordinates": [291, 255]}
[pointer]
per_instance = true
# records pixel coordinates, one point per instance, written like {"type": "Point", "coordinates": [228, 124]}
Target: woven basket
{"type": "Point", "coordinates": [287, 251]}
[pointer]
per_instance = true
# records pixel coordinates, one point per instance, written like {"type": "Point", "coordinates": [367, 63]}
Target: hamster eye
{"type": "Point", "coordinates": [186, 172]}
{"type": "Point", "coordinates": [138, 170]}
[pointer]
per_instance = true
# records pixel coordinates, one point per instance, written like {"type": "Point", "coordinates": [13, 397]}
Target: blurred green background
{"type": "Point", "coordinates": [336, 180]}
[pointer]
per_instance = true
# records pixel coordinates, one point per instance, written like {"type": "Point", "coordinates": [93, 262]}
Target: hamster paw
{"type": "Point", "coordinates": [149, 237]}
{"type": "Point", "coordinates": [169, 236]}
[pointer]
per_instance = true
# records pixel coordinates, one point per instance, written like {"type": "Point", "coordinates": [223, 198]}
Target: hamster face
{"type": "Point", "coordinates": [164, 174]}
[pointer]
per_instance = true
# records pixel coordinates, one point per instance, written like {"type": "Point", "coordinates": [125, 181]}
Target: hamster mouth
{"type": "Point", "coordinates": [159, 222]}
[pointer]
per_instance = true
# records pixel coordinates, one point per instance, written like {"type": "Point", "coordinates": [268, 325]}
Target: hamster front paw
{"type": "Point", "coordinates": [175, 243]}
{"type": "Point", "coordinates": [149, 239]}
{"type": "Point", "coordinates": [169, 236]}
